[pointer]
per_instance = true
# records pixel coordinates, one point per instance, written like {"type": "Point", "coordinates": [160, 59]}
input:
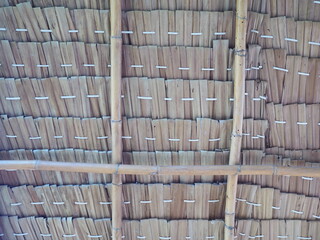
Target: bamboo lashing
{"type": "Point", "coordinates": [116, 120]}
{"type": "Point", "coordinates": [238, 110]}
{"type": "Point", "coordinates": [188, 170]}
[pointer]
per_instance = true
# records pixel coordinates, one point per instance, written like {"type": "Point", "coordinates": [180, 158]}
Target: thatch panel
{"type": "Point", "coordinates": [142, 97]}
{"type": "Point", "coordinates": [155, 135]}
{"type": "Point", "coordinates": [297, 37]}
{"type": "Point", "coordinates": [307, 155]}
{"type": "Point", "coordinates": [24, 23]}
{"type": "Point", "coordinates": [59, 97]}
{"type": "Point", "coordinates": [84, 228]}
{"type": "Point", "coordinates": [49, 59]}
{"type": "Point", "coordinates": [178, 62]}
{"type": "Point", "coordinates": [294, 126]}
{"type": "Point", "coordinates": [291, 79]}
{"type": "Point", "coordinates": [299, 10]}
{"type": "Point", "coordinates": [174, 201]}
{"type": "Point", "coordinates": [194, 28]}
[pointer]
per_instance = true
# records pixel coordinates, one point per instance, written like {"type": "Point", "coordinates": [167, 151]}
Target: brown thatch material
{"type": "Point", "coordinates": [177, 100]}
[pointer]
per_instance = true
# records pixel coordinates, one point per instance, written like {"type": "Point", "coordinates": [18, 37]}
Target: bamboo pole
{"type": "Point", "coordinates": [116, 120]}
{"type": "Point", "coordinates": [239, 83]}
{"type": "Point", "coordinates": [187, 170]}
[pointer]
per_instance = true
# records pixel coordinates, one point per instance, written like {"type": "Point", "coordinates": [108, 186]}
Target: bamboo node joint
{"type": "Point", "coordinates": [117, 169]}
{"type": "Point", "coordinates": [229, 227]}
{"type": "Point", "coordinates": [240, 52]}
{"type": "Point", "coordinates": [236, 135]}
{"type": "Point", "coordinates": [229, 213]}
{"type": "Point", "coordinates": [242, 18]}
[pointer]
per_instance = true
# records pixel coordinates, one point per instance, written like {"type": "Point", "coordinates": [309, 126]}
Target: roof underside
{"type": "Point", "coordinates": [177, 107]}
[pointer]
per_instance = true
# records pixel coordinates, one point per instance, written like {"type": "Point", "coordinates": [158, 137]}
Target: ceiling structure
{"type": "Point", "coordinates": [154, 83]}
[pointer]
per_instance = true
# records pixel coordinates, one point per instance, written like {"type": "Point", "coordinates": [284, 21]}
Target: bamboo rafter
{"type": "Point", "coordinates": [238, 112]}
{"type": "Point", "coordinates": [116, 118]}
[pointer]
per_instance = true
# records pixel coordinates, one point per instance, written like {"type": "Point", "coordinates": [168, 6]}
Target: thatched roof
{"type": "Point", "coordinates": [177, 102]}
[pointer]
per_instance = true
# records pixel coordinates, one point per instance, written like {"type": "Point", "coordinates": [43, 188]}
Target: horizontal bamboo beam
{"type": "Point", "coordinates": [190, 170]}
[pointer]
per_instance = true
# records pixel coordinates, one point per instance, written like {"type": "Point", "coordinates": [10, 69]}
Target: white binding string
{"type": "Point", "coordinates": [303, 73]}
{"type": "Point", "coordinates": [69, 235]}
{"type": "Point", "coordinates": [13, 98]}
{"type": "Point", "coordinates": [80, 203]}
{"type": "Point", "coordinates": [67, 97]}
{"type": "Point", "coordinates": [196, 34]}
{"type": "Point", "coordinates": [34, 138]}
{"type": "Point", "coordinates": [267, 36]}
{"type": "Point", "coordinates": [280, 69]}
{"type": "Point", "coordinates": [187, 99]}
{"type": "Point", "coordinates": [136, 66]}
{"type": "Point", "coordinates": [207, 69]}
{"type": "Point", "coordinates": [214, 139]}
{"type": "Point", "coordinates": [80, 138]}
{"type": "Point", "coordinates": [46, 30]}
{"type": "Point", "coordinates": [103, 137]}
{"type": "Point", "coordinates": [297, 212]}
{"type": "Point", "coordinates": [174, 139]}
{"type": "Point", "coordinates": [307, 178]}
{"type": "Point", "coordinates": [16, 204]}
{"type": "Point", "coordinates": [144, 98]}
{"type": "Point", "coordinates": [280, 122]}
{"type": "Point", "coordinates": [21, 30]}
{"type": "Point", "coordinates": [150, 139]}
{"type": "Point", "coordinates": [291, 39]}
{"type": "Point", "coordinates": [20, 234]}
{"type": "Point", "coordinates": [37, 203]}
{"type": "Point", "coordinates": [11, 136]}
{"type": "Point", "coordinates": [94, 236]}
{"type": "Point", "coordinates": [219, 33]}
{"type": "Point", "coordinates": [314, 43]}
{"type": "Point", "coordinates": [17, 65]}
{"type": "Point", "coordinates": [45, 234]}
{"type": "Point", "coordinates": [41, 98]}
{"type": "Point", "coordinates": [211, 99]}
{"type": "Point", "coordinates": [148, 33]}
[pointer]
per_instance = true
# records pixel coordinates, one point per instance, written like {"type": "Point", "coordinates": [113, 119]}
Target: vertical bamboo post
{"type": "Point", "coordinates": [239, 83]}
{"type": "Point", "coordinates": [116, 120]}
